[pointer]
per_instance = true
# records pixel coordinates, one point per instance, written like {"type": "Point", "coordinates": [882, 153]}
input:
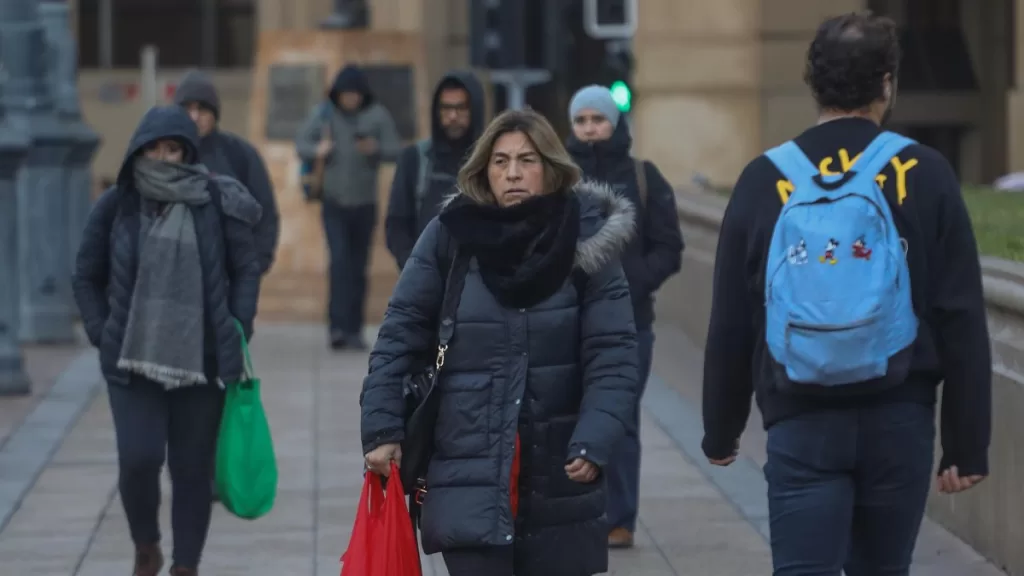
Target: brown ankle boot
{"type": "Point", "coordinates": [182, 571]}
{"type": "Point", "coordinates": [620, 538]}
{"type": "Point", "coordinates": [149, 559]}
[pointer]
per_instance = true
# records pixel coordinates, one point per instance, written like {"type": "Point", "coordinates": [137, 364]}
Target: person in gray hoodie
{"type": "Point", "coordinates": [231, 155]}
{"type": "Point", "coordinates": [354, 134]}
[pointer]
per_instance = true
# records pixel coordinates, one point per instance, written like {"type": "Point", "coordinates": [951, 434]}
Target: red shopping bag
{"type": "Point", "coordinates": [382, 542]}
{"type": "Point", "coordinates": [357, 559]}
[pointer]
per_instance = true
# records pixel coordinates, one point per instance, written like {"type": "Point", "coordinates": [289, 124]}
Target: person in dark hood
{"type": "Point", "coordinates": [600, 145]}
{"type": "Point", "coordinates": [352, 133]}
{"type": "Point", "coordinates": [426, 170]}
{"type": "Point", "coordinates": [166, 271]}
{"type": "Point", "coordinates": [226, 153]}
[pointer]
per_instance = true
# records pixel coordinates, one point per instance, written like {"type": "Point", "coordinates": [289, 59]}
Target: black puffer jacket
{"type": "Point", "coordinates": [565, 371]}
{"type": "Point", "coordinates": [107, 262]}
{"type": "Point", "coordinates": [656, 252]}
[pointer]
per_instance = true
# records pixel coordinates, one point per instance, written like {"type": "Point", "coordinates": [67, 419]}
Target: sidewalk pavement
{"type": "Point", "coordinates": [70, 520]}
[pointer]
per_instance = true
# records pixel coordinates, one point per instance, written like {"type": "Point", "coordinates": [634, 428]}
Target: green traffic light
{"type": "Point", "coordinates": [622, 96]}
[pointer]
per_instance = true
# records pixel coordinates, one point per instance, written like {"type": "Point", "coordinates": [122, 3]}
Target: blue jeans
{"type": "Point", "coordinates": [622, 474]}
{"type": "Point", "coordinates": [349, 232]}
{"type": "Point", "coordinates": [847, 489]}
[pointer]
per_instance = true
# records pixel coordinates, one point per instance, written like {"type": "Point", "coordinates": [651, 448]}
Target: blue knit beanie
{"type": "Point", "coordinates": [597, 98]}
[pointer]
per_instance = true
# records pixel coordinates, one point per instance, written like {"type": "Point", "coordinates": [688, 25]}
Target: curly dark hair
{"type": "Point", "coordinates": [849, 59]}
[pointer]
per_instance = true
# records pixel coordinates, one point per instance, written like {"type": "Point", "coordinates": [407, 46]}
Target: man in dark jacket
{"type": "Point", "coordinates": [426, 170]}
{"type": "Point", "coordinates": [849, 475]}
{"type": "Point", "coordinates": [600, 145]}
{"type": "Point", "coordinates": [352, 133]}
{"type": "Point", "coordinates": [229, 154]}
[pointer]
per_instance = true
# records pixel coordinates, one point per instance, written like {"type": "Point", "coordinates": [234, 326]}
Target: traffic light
{"type": "Point", "coordinates": [610, 19]}
{"type": "Point", "coordinates": [622, 95]}
{"type": "Point", "coordinates": [497, 34]}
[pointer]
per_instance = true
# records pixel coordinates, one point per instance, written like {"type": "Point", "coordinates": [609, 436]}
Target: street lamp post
{"type": "Point", "coordinates": [13, 145]}
{"type": "Point", "coordinates": [43, 246]}
{"type": "Point", "coordinates": [85, 141]}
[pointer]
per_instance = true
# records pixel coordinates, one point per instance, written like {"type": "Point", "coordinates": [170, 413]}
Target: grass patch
{"type": "Point", "coordinates": [998, 219]}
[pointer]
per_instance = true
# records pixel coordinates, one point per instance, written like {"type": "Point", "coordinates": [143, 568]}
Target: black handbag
{"type": "Point", "coordinates": [422, 400]}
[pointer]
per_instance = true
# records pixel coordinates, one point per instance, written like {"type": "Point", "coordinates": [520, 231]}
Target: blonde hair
{"type": "Point", "coordinates": [560, 172]}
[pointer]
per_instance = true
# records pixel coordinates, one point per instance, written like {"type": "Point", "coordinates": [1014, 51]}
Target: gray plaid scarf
{"type": "Point", "coordinates": [163, 339]}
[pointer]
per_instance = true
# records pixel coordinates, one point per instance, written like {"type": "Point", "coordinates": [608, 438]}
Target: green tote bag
{"type": "Point", "coordinates": [246, 472]}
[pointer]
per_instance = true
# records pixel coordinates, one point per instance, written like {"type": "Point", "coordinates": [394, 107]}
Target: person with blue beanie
{"type": "Point", "coordinates": [600, 144]}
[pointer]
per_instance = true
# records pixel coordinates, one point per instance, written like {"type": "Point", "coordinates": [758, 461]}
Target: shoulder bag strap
{"type": "Point", "coordinates": [450, 304]}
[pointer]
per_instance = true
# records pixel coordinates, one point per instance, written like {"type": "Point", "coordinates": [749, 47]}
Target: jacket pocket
{"type": "Point", "coordinates": [464, 415]}
{"type": "Point", "coordinates": [560, 431]}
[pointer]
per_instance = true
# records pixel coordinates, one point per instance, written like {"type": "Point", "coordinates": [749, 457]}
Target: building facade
{"type": "Point", "coordinates": [715, 82]}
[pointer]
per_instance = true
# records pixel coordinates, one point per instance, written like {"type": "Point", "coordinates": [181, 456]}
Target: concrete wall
{"type": "Point", "coordinates": [987, 517]}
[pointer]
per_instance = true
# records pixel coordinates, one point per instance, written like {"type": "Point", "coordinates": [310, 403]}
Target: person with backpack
{"type": "Point", "coordinates": [515, 298]}
{"type": "Point", "coordinates": [167, 268]}
{"type": "Point", "coordinates": [347, 137]}
{"type": "Point", "coordinates": [231, 155]}
{"type": "Point", "coordinates": [426, 170]}
{"type": "Point", "coordinates": [600, 144]}
{"type": "Point", "coordinates": [847, 287]}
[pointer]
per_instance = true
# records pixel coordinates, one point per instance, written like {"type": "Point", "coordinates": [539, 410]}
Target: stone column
{"type": "Point", "coordinates": [45, 285]}
{"type": "Point", "coordinates": [13, 144]}
{"type": "Point", "coordinates": [64, 88]}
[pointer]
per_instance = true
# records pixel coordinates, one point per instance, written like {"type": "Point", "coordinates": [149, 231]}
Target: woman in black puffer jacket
{"type": "Point", "coordinates": [166, 265]}
{"type": "Point", "coordinates": [540, 379]}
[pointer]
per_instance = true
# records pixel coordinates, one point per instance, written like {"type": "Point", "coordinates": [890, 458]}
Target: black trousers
{"type": "Point", "coordinates": [349, 232]}
{"type": "Point", "coordinates": [149, 423]}
{"type": "Point", "coordinates": [483, 561]}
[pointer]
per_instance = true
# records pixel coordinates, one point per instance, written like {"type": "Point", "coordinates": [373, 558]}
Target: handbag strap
{"type": "Point", "coordinates": [450, 304]}
{"type": "Point", "coordinates": [248, 372]}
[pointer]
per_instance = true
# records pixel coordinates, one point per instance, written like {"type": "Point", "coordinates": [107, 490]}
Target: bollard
{"type": "Point", "coordinates": [13, 145]}
{"type": "Point", "coordinates": [85, 141]}
{"type": "Point", "coordinates": [45, 285]}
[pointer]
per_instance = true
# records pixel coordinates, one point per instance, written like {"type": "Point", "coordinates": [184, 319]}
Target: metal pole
{"type": "Point", "coordinates": [105, 32]}
{"type": "Point", "coordinates": [46, 310]}
{"type": "Point", "coordinates": [13, 144]}
{"type": "Point", "coordinates": [56, 18]}
{"type": "Point", "coordinates": [516, 83]}
{"type": "Point", "coordinates": [147, 82]}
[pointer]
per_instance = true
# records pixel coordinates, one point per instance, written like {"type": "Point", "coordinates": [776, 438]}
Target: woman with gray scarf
{"type": "Point", "coordinates": [166, 265]}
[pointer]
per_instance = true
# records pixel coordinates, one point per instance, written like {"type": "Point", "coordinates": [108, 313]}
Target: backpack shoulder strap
{"type": "Point", "coordinates": [794, 164]}
{"type": "Point", "coordinates": [879, 153]}
{"type": "Point", "coordinates": [641, 179]}
{"type": "Point", "coordinates": [424, 168]}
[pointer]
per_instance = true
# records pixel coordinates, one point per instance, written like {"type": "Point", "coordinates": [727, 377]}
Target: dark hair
{"type": "Point", "coordinates": [849, 59]}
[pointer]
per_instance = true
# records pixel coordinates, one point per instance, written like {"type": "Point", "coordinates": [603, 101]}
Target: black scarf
{"type": "Point", "coordinates": [525, 252]}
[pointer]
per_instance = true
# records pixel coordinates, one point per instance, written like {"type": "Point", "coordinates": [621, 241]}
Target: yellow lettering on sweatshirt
{"type": "Point", "coordinates": [784, 188]}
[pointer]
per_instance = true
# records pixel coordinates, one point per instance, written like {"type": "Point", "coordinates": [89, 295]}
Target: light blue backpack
{"type": "Point", "coordinates": [839, 315]}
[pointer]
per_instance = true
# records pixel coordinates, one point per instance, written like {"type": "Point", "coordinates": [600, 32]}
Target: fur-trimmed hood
{"type": "Point", "coordinates": [608, 224]}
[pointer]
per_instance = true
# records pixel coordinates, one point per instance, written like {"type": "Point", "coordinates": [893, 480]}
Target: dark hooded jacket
{"type": "Point", "coordinates": [562, 373]}
{"type": "Point", "coordinates": [656, 253]}
{"type": "Point", "coordinates": [229, 154]}
{"type": "Point", "coordinates": [107, 262]}
{"type": "Point", "coordinates": [350, 177]}
{"type": "Point", "coordinates": [407, 215]}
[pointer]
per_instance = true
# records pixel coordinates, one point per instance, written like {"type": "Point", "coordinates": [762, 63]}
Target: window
{"type": "Point", "coordinates": [186, 33]}
{"type": "Point", "coordinates": [935, 53]}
